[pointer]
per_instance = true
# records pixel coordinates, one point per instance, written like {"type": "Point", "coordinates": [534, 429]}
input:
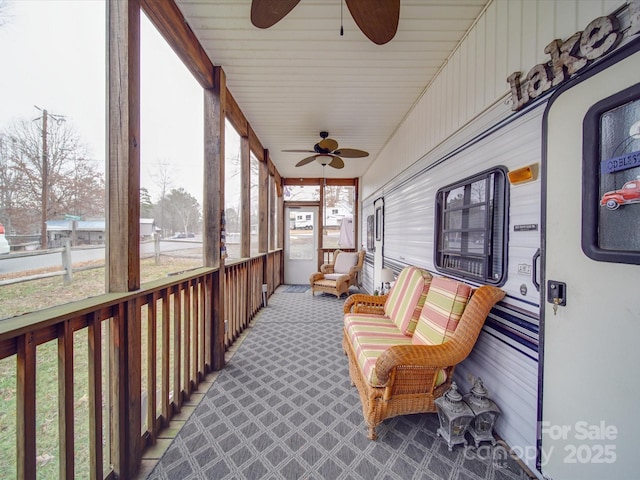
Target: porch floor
{"type": "Point", "coordinates": [283, 407]}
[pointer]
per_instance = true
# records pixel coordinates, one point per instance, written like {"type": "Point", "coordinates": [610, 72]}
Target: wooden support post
{"type": "Point", "coordinates": [123, 152]}
{"type": "Point", "coordinates": [214, 131]}
{"type": "Point", "coordinates": [263, 205]}
{"type": "Point", "coordinates": [245, 198]}
{"type": "Point", "coordinates": [280, 235]}
{"type": "Point", "coordinates": [123, 228]}
{"type": "Point", "coordinates": [273, 228]}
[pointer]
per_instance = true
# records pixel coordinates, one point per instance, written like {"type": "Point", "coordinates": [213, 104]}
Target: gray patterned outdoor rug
{"type": "Point", "coordinates": [296, 288]}
{"type": "Point", "coordinates": [284, 408]}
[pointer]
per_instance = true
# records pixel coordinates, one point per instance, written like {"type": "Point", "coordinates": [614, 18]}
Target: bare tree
{"type": "Point", "coordinates": [7, 178]}
{"type": "Point", "coordinates": [72, 184]}
{"type": "Point", "coordinates": [162, 179]}
{"type": "Point", "coordinates": [183, 211]}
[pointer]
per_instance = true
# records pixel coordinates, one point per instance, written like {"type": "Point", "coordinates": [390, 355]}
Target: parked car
{"type": "Point", "coordinates": [629, 193]}
{"type": "Point", "coordinates": [4, 245]}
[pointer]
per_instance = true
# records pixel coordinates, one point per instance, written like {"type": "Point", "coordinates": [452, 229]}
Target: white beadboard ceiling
{"type": "Point", "coordinates": [300, 76]}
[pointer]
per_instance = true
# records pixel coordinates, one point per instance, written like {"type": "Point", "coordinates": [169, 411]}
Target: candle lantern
{"type": "Point", "coordinates": [387, 278]}
{"type": "Point", "coordinates": [485, 413]}
{"type": "Point", "coordinates": [454, 416]}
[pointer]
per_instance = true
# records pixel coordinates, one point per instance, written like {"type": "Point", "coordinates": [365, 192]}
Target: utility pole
{"type": "Point", "coordinates": [45, 173]}
{"type": "Point", "coordinates": [45, 183]}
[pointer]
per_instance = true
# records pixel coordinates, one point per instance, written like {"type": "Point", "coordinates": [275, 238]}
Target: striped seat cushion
{"type": "Point", "coordinates": [370, 335]}
{"type": "Point", "coordinates": [442, 310]}
{"type": "Point", "coordinates": [406, 298]}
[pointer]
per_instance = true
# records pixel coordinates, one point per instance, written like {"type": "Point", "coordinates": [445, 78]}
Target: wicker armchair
{"type": "Point", "coordinates": [409, 374]}
{"type": "Point", "coordinates": [337, 280]}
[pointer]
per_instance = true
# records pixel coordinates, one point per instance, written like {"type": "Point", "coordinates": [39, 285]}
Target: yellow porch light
{"type": "Point", "coordinates": [524, 174]}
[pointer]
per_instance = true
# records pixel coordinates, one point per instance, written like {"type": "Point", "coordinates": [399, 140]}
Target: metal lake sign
{"type": "Point", "coordinates": [600, 37]}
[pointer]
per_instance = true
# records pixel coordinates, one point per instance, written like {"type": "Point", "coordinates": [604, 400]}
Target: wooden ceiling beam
{"type": "Point", "coordinates": [168, 19]}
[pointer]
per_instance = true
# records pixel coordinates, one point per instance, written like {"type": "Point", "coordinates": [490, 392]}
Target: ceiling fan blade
{"type": "Point", "coordinates": [377, 20]}
{"type": "Point", "coordinates": [299, 151]}
{"type": "Point", "coordinates": [351, 153]}
{"type": "Point", "coordinates": [304, 161]}
{"type": "Point", "coordinates": [336, 162]}
{"type": "Point", "coordinates": [328, 144]}
{"type": "Point", "coordinates": [266, 13]}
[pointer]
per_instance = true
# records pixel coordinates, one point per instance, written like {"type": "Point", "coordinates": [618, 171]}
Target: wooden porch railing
{"type": "Point", "coordinates": [124, 363]}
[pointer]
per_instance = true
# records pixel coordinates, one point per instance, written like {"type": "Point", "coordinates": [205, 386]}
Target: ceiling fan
{"type": "Point", "coordinates": [326, 152]}
{"type": "Point", "coordinates": [377, 20]}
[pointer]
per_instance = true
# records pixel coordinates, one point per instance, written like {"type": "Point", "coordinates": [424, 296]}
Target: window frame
{"type": "Point", "coordinates": [494, 230]}
{"type": "Point", "coordinates": [591, 179]}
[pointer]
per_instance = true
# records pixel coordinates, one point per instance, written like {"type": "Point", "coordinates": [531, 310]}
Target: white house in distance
{"type": "Point", "coordinates": [88, 232]}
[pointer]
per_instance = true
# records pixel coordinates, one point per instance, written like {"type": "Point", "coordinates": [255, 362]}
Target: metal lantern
{"type": "Point", "coordinates": [454, 416]}
{"type": "Point", "coordinates": [485, 412]}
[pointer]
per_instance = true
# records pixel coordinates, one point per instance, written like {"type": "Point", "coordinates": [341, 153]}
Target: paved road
{"type": "Point", "coordinates": [25, 261]}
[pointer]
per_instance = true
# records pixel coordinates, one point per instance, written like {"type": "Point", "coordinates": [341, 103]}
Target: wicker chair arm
{"type": "Point", "coordinates": [426, 356]}
{"type": "Point", "coordinates": [315, 277]}
{"type": "Point", "coordinates": [326, 268]}
{"type": "Point", "coordinates": [354, 270]}
{"type": "Point", "coordinates": [355, 302]}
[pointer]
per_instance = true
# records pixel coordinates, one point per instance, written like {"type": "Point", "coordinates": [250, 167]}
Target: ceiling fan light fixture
{"type": "Point", "coordinates": [324, 159]}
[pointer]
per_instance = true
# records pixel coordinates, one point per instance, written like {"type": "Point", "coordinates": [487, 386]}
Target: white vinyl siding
{"type": "Point", "coordinates": [509, 36]}
{"type": "Point", "coordinates": [505, 356]}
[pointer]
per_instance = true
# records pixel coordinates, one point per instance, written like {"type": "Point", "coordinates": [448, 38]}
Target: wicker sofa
{"type": "Point", "coordinates": [403, 347]}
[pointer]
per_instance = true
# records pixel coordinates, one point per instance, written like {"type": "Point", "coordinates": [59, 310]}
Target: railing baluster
{"type": "Point", "coordinates": [152, 354]}
{"type": "Point", "coordinates": [177, 343]}
{"type": "Point", "coordinates": [202, 294]}
{"type": "Point", "coordinates": [195, 343]}
{"type": "Point", "coordinates": [208, 326]}
{"type": "Point", "coordinates": [165, 356]}
{"type": "Point", "coordinates": [186, 308]}
{"type": "Point", "coordinates": [26, 407]}
{"type": "Point", "coordinates": [95, 396]}
{"type": "Point", "coordinates": [65, 399]}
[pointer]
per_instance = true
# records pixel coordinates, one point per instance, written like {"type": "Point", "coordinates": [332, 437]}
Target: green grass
{"type": "Point", "coordinates": [21, 298]}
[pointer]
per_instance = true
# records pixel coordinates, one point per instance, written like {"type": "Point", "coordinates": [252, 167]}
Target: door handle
{"type": "Point", "coordinates": [534, 270]}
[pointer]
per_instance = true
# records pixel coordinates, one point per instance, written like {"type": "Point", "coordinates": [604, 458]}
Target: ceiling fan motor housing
{"type": "Point", "coordinates": [318, 149]}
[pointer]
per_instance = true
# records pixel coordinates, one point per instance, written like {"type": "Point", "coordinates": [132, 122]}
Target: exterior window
{"type": "Point", "coordinates": [232, 189]}
{"type": "Point", "coordinates": [611, 179]}
{"type": "Point", "coordinates": [338, 231]}
{"type": "Point", "coordinates": [471, 228]}
{"type": "Point", "coordinates": [254, 204]}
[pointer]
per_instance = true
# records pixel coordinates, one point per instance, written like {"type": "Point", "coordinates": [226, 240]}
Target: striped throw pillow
{"type": "Point", "coordinates": [442, 310]}
{"type": "Point", "coordinates": [406, 298]}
